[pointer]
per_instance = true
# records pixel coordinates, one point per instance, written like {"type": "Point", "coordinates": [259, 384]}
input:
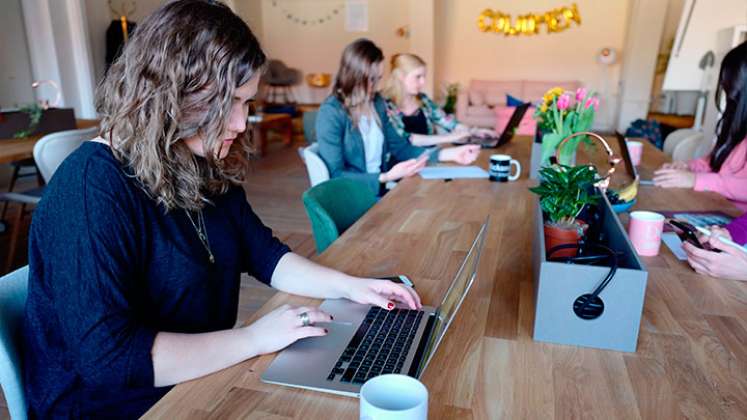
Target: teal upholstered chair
{"type": "Point", "coordinates": [13, 292]}
{"type": "Point", "coordinates": [333, 206]}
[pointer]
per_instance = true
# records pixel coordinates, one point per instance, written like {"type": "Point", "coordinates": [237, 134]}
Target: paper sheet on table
{"type": "Point", "coordinates": [453, 172]}
{"type": "Point", "coordinates": [674, 244]}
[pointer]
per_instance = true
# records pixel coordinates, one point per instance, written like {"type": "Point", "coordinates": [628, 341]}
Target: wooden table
{"type": "Point", "coordinates": [282, 122]}
{"type": "Point", "coordinates": [692, 350]}
{"type": "Point", "coordinates": [12, 150]}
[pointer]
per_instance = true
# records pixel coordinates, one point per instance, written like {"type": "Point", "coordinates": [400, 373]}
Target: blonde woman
{"type": "Point", "coordinates": [137, 248]}
{"type": "Point", "coordinates": [413, 114]}
{"type": "Point", "coordinates": [354, 133]}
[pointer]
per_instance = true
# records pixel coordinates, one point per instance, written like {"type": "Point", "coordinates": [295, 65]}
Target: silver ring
{"type": "Point", "coordinates": [305, 320]}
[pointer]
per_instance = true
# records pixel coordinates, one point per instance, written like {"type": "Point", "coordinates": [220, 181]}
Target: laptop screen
{"type": "Point", "coordinates": [629, 167]}
{"type": "Point", "coordinates": [513, 123]}
{"type": "Point", "coordinates": [454, 296]}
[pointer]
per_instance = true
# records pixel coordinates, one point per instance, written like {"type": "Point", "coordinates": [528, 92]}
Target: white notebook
{"type": "Point", "coordinates": [453, 172]}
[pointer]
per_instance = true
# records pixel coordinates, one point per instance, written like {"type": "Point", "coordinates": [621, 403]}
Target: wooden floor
{"type": "Point", "coordinates": [274, 191]}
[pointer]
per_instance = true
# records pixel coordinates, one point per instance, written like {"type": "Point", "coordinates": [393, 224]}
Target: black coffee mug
{"type": "Point", "coordinates": [500, 168]}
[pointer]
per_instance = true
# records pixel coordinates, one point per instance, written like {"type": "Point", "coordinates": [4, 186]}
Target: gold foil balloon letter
{"type": "Point", "coordinates": [555, 20]}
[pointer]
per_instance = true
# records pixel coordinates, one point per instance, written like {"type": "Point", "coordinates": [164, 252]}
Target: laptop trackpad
{"type": "Point", "coordinates": [308, 361]}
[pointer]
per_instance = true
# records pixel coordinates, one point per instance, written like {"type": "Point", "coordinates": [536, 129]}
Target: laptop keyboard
{"type": "Point", "coordinates": [380, 345]}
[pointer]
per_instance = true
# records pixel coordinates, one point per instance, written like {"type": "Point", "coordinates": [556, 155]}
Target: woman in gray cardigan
{"type": "Point", "coordinates": [354, 133]}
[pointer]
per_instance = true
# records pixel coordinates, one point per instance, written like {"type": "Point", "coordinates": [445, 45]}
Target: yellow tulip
{"type": "Point", "coordinates": [543, 108]}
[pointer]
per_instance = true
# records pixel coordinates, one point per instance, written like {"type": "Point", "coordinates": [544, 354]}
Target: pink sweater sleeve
{"type": "Point", "coordinates": [731, 180]}
{"type": "Point", "coordinates": [701, 164]}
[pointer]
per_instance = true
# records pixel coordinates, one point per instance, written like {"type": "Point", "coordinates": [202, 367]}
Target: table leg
{"type": "Point", "coordinates": [288, 133]}
{"type": "Point", "coordinates": [259, 139]}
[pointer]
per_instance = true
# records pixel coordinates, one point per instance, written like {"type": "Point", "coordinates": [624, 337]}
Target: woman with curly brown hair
{"type": "Point", "coordinates": [136, 249]}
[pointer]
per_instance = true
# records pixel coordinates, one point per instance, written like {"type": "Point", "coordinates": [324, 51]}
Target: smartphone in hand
{"type": "Point", "coordinates": [688, 233]}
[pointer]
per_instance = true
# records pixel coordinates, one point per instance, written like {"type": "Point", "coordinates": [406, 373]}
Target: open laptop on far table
{"type": "Point", "coordinates": [508, 131]}
{"type": "Point", "coordinates": [629, 167]}
{"type": "Point", "coordinates": [365, 341]}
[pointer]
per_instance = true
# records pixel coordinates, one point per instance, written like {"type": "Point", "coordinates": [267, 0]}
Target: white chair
{"type": "Point", "coordinates": [704, 147]}
{"type": "Point", "coordinates": [315, 166]}
{"type": "Point", "coordinates": [49, 152]}
{"type": "Point", "coordinates": [685, 149]}
{"type": "Point", "coordinates": [675, 137]}
{"type": "Point", "coordinates": [52, 149]}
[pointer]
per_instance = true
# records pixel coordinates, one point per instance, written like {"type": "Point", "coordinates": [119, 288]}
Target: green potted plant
{"type": "Point", "coordinates": [452, 90]}
{"type": "Point", "coordinates": [564, 191]}
{"type": "Point", "coordinates": [34, 112]}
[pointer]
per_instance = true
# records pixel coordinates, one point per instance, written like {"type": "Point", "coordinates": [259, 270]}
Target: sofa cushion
{"type": "Point", "coordinates": [510, 87]}
{"type": "Point", "coordinates": [479, 111]}
{"type": "Point", "coordinates": [495, 97]}
{"type": "Point", "coordinates": [527, 126]}
{"type": "Point", "coordinates": [476, 98]}
{"type": "Point", "coordinates": [513, 101]}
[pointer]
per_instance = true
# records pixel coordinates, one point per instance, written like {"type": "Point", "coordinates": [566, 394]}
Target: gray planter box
{"type": "Point", "coordinates": [557, 285]}
{"type": "Point", "coordinates": [534, 163]}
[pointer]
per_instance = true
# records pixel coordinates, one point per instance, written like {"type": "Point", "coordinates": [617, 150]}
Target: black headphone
{"type": "Point", "coordinates": [589, 305]}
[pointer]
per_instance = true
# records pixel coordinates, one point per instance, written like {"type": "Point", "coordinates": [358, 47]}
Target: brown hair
{"type": "Point", "coordinates": [402, 64]}
{"type": "Point", "coordinates": [176, 78]}
{"type": "Point", "coordinates": [353, 81]}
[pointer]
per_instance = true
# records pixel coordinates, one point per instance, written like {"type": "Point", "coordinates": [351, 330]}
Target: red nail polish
{"type": "Point", "coordinates": [389, 305]}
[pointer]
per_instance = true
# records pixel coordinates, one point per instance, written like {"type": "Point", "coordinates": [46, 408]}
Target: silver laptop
{"type": "Point", "coordinates": [366, 341]}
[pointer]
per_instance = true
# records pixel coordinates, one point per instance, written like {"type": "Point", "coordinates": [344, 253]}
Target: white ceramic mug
{"type": "Point", "coordinates": [500, 168]}
{"type": "Point", "coordinates": [393, 397]}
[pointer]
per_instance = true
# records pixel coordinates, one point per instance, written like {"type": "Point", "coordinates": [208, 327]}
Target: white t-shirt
{"type": "Point", "coordinates": [373, 143]}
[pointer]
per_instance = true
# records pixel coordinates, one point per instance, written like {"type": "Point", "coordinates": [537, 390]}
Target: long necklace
{"type": "Point", "coordinates": [201, 230]}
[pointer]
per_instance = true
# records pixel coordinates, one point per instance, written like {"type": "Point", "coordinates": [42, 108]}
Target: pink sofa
{"type": "Point", "coordinates": [481, 103]}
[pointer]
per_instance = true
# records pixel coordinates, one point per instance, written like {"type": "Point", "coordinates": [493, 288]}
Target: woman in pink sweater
{"type": "Point", "coordinates": [724, 170]}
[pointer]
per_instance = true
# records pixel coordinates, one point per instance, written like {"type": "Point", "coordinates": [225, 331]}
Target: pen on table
{"type": "Point", "coordinates": [707, 232]}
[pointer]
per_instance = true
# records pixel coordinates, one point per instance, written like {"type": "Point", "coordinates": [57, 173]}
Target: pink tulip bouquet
{"type": "Point", "coordinates": [559, 116]}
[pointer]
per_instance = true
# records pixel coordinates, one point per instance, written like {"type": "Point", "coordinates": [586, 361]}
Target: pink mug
{"type": "Point", "coordinates": [645, 232]}
{"type": "Point", "coordinates": [635, 148]}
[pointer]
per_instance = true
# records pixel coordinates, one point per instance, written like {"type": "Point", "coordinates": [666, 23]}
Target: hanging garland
{"type": "Point", "coordinates": [556, 20]}
{"type": "Point", "coordinates": [306, 20]}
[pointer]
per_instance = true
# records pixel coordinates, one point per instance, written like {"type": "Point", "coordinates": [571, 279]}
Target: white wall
{"type": "Point", "coordinates": [15, 64]}
{"type": "Point", "coordinates": [707, 19]}
{"type": "Point", "coordinates": [423, 36]}
{"type": "Point", "coordinates": [464, 53]}
{"type": "Point", "coordinates": [644, 33]}
{"type": "Point", "coordinates": [59, 51]}
{"type": "Point", "coordinates": [317, 48]}
{"type": "Point", "coordinates": [99, 18]}
{"type": "Point", "coordinates": [251, 12]}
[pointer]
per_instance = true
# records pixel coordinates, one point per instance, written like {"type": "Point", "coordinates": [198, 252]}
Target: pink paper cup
{"type": "Point", "coordinates": [645, 232]}
{"type": "Point", "coordinates": [635, 148]}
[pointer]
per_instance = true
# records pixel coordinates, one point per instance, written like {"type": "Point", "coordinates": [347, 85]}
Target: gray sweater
{"type": "Point", "coordinates": [341, 144]}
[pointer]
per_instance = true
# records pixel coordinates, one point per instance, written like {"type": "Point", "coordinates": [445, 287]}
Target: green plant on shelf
{"type": "Point", "coordinates": [452, 90]}
{"type": "Point", "coordinates": [34, 112]}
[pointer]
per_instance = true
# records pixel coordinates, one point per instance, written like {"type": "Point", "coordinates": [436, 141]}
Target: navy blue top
{"type": "Point", "coordinates": [109, 269]}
